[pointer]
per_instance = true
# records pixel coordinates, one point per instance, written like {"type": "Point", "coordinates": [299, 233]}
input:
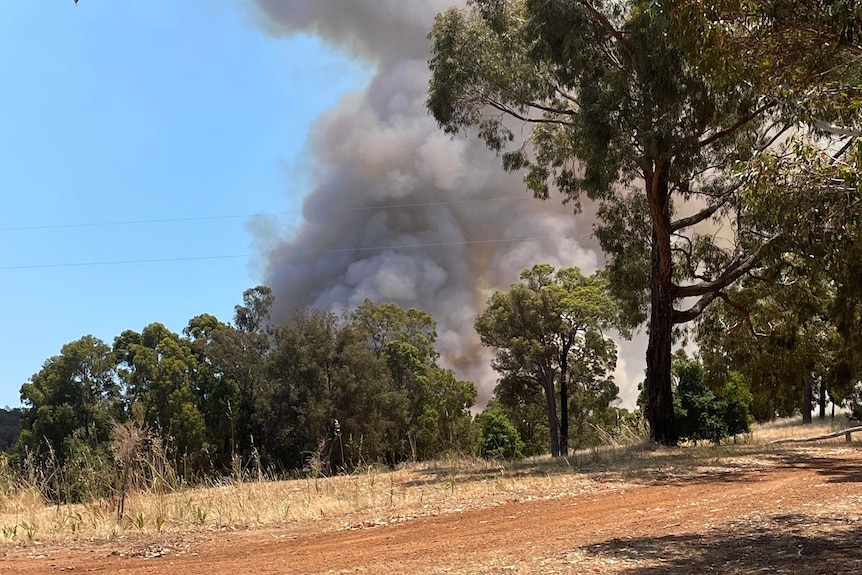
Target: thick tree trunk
{"type": "Point", "coordinates": [658, 380]}
{"type": "Point", "coordinates": [659, 393]}
{"type": "Point", "coordinates": [553, 422]}
{"type": "Point", "coordinates": [807, 399]}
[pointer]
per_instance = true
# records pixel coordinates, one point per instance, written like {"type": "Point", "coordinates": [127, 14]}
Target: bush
{"type": "Point", "coordinates": [498, 438]}
{"type": "Point", "coordinates": [704, 413]}
{"type": "Point", "coordinates": [735, 404]}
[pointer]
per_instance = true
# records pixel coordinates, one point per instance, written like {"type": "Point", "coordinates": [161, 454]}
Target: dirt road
{"type": "Point", "coordinates": [801, 516]}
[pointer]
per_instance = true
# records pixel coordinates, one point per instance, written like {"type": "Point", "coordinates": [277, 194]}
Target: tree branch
{"type": "Point", "coordinates": [836, 130]}
{"type": "Point", "coordinates": [731, 274]}
{"type": "Point", "coordinates": [735, 126]}
{"type": "Point", "coordinates": [817, 34]}
{"type": "Point", "coordinates": [705, 213]}
{"type": "Point", "coordinates": [842, 151]}
{"type": "Point", "coordinates": [744, 312]}
{"type": "Point", "coordinates": [847, 433]}
{"type": "Point", "coordinates": [695, 310]}
{"type": "Point", "coordinates": [518, 116]}
{"type": "Point", "coordinates": [615, 34]}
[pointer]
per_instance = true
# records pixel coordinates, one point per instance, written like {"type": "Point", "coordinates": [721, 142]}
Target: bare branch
{"type": "Point", "coordinates": [704, 213]}
{"type": "Point", "coordinates": [509, 111]}
{"type": "Point", "coordinates": [735, 126]}
{"type": "Point", "coordinates": [736, 270]}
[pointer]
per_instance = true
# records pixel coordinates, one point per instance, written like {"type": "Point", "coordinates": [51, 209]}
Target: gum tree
{"type": "Point", "coordinates": [624, 116]}
{"type": "Point", "coordinates": [548, 329]}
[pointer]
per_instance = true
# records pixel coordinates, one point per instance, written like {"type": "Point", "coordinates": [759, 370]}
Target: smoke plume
{"type": "Point", "coordinates": [400, 212]}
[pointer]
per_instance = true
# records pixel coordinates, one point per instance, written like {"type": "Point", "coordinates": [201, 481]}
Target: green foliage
{"type": "Point", "coordinates": [498, 438]}
{"type": "Point", "coordinates": [163, 376]}
{"type": "Point", "coordinates": [697, 413]}
{"type": "Point", "coordinates": [548, 330]}
{"type": "Point", "coordinates": [253, 315]}
{"type": "Point", "coordinates": [87, 473]}
{"type": "Point", "coordinates": [789, 332]}
{"type": "Point", "coordinates": [803, 53]}
{"type": "Point", "coordinates": [376, 376]}
{"type": "Point", "coordinates": [444, 424]}
{"type": "Point", "coordinates": [669, 115]}
{"type": "Point", "coordinates": [343, 392]}
{"type": "Point", "coordinates": [10, 427]}
{"type": "Point", "coordinates": [621, 114]}
{"type": "Point", "coordinates": [804, 190]}
{"type": "Point", "coordinates": [76, 392]}
{"type": "Point", "coordinates": [707, 414]}
{"type": "Point", "coordinates": [735, 402]}
{"type": "Point", "coordinates": [526, 409]}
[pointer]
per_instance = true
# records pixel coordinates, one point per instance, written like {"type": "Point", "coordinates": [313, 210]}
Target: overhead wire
{"type": "Point", "coordinates": [237, 216]}
{"type": "Point", "coordinates": [302, 252]}
{"type": "Point", "coordinates": [260, 214]}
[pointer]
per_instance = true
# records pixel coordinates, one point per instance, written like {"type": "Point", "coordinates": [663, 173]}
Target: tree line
{"type": "Point", "coordinates": [364, 387]}
{"type": "Point", "coordinates": [338, 392]}
{"type": "Point", "coordinates": [333, 391]}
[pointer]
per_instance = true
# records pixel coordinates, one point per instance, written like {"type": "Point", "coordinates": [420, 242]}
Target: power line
{"type": "Point", "coordinates": [244, 216]}
{"type": "Point", "coordinates": [119, 262]}
{"type": "Point", "coordinates": [304, 252]}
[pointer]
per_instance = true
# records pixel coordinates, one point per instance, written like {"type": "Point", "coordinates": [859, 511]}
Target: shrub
{"type": "Point", "coordinates": [735, 404]}
{"type": "Point", "coordinates": [704, 413]}
{"type": "Point", "coordinates": [498, 438]}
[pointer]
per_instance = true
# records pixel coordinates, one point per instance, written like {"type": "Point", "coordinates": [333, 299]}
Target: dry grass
{"type": "Point", "coordinates": [792, 427]}
{"type": "Point", "coordinates": [374, 495]}
{"type": "Point", "coordinates": [371, 497]}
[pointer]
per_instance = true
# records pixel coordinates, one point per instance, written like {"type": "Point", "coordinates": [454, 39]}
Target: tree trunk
{"type": "Point", "coordinates": [807, 399]}
{"type": "Point", "coordinates": [553, 422]}
{"type": "Point", "coordinates": [822, 398]}
{"type": "Point", "coordinates": [659, 404]}
{"type": "Point", "coordinates": [564, 403]}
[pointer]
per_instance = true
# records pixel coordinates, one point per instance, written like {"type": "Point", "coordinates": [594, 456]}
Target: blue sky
{"type": "Point", "coordinates": [117, 112]}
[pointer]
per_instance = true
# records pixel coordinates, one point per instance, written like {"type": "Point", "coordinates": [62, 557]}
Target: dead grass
{"type": "Point", "coordinates": [372, 497]}
{"type": "Point", "coordinates": [377, 495]}
{"type": "Point", "coordinates": [793, 427]}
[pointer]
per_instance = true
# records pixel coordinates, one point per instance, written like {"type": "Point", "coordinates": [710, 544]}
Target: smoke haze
{"type": "Point", "coordinates": [400, 212]}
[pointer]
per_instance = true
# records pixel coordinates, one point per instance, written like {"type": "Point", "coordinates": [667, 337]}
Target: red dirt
{"type": "Point", "coordinates": [800, 516]}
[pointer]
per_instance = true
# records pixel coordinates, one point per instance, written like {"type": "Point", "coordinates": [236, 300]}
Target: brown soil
{"type": "Point", "coordinates": [792, 511]}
